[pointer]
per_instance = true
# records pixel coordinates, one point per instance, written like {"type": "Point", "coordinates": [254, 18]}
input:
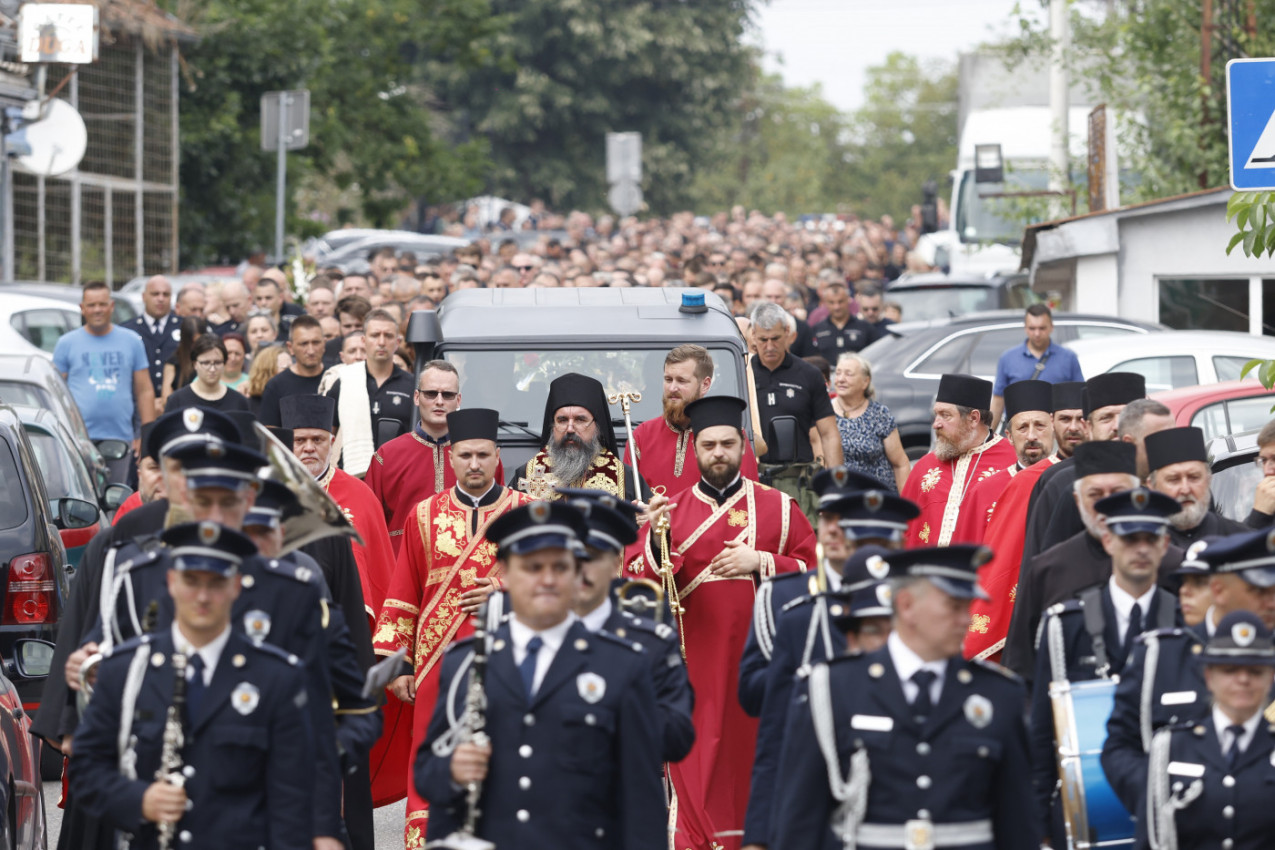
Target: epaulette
{"type": "Point", "coordinates": [128, 645]}
{"type": "Point", "coordinates": [1071, 605]}
{"type": "Point", "coordinates": [646, 624]}
{"type": "Point", "coordinates": [1161, 634]}
{"type": "Point", "coordinates": [993, 667]}
{"type": "Point", "coordinates": [848, 658]}
{"type": "Point", "coordinates": [462, 642]}
{"type": "Point", "coordinates": [797, 603]}
{"type": "Point", "coordinates": [305, 575]}
{"type": "Point", "coordinates": [270, 649]}
{"type": "Point", "coordinates": [781, 577]}
{"type": "Point", "coordinates": [142, 559]}
{"type": "Point", "coordinates": [610, 638]}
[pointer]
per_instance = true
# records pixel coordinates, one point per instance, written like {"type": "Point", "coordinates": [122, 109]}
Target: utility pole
{"type": "Point", "coordinates": [1059, 99]}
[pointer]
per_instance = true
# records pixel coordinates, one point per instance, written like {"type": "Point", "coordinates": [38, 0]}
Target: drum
{"type": "Point", "coordinates": [1093, 814]}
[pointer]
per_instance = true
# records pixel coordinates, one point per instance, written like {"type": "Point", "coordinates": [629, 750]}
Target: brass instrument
{"type": "Point", "coordinates": [472, 725]}
{"type": "Point", "coordinates": [633, 597]}
{"type": "Point", "coordinates": [170, 758]}
{"type": "Point", "coordinates": [86, 688]}
{"type": "Point", "coordinates": [319, 515]}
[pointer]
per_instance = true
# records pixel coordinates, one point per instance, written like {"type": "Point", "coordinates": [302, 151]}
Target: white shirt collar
{"type": "Point", "coordinates": [1221, 722]}
{"type": "Point", "coordinates": [520, 634]}
{"type": "Point", "coordinates": [906, 663]}
{"type": "Point", "coordinates": [1210, 621]}
{"type": "Point", "coordinates": [209, 652]}
{"type": "Point", "coordinates": [153, 323]}
{"type": "Point", "coordinates": [1122, 601]}
{"type": "Point", "coordinates": [833, 577]}
{"type": "Point", "coordinates": [596, 619]}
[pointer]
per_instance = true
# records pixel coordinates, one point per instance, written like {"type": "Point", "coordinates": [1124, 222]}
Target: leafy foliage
{"type": "Point", "coordinates": [1254, 216]}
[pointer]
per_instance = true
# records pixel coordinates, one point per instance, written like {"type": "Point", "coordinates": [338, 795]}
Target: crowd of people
{"type": "Point", "coordinates": [801, 643]}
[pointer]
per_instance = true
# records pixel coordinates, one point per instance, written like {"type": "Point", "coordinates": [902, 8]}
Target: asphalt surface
{"type": "Point", "coordinates": [389, 820]}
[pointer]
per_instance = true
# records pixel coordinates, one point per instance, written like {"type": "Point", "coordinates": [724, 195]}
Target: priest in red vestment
{"type": "Point", "coordinates": [309, 418]}
{"type": "Point", "coordinates": [445, 569]}
{"type": "Point", "coordinates": [414, 466]}
{"type": "Point", "coordinates": [727, 533]}
{"type": "Point", "coordinates": [941, 481]}
{"type": "Point", "coordinates": [1028, 405]}
{"type": "Point", "coordinates": [665, 458]}
{"type": "Point", "coordinates": [1007, 525]}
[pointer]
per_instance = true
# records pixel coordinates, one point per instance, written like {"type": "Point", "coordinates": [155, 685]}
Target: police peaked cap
{"type": "Point", "coordinates": [212, 463]}
{"type": "Point", "coordinates": [1068, 395]}
{"type": "Point", "coordinates": [1242, 640]}
{"type": "Point", "coordinates": [602, 497]}
{"type": "Point", "coordinates": [1022, 396]}
{"type": "Point", "coordinates": [274, 503]}
{"type": "Point", "coordinates": [832, 484]}
{"type": "Point", "coordinates": [872, 514]}
{"type": "Point", "coordinates": [952, 569]}
{"type": "Point", "coordinates": [207, 546]}
{"type": "Point", "coordinates": [965, 391]}
{"type": "Point", "coordinates": [539, 525]}
{"type": "Point", "coordinates": [1137, 510]}
{"type": "Point", "coordinates": [716, 410]}
{"type": "Point", "coordinates": [1175, 445]}
{"type": "Point", "coordinates": [1112, 388]}
{"type": "Point", "coordinates": [187, 425]}
{"type": "Point", "coordinates": [609, 529]}
{"type": "Point", "coordinates": [473, 423]}
{"type": "Point", "coordinates": [1249, 554]}
{"type": "Point", "coordinates": [246, 422]}
{"type": "Point", "coordinates": [868, 565]}
{"type": "Point", "coordinates": [305, 410]}
{"type": "Point", "coordinates": [1105, 456]}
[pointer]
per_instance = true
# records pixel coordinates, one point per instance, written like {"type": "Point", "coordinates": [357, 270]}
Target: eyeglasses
{"type": "Point", "coordinates": [210, 364]}
{"type": "Point", "coordinates": [433, 394]}
{"type": "Point", "coordinates": [525, 268]}
{"type": "Point", "coordinates": [1264, 463]}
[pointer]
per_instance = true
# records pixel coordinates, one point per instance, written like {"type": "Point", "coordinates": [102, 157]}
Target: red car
{"type": "Point", "coordinates": [1219, 409]}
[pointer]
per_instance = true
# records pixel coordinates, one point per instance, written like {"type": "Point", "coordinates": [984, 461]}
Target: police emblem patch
{"type": "Point", "coordinates": [192, 418]}
{"type": "Point", "coordinates": [539, 511]}
{"type": "Point", "coordinates": [873, 500]}
{"type": "Point", "coordinates": [256, 625]}
{"type": "Point", "coordinates": [878, 567]}
{"type": "Point", "coordinates": [245, 698]}
{"type": "Point", "coordinates": [1139, 497]}
{"type": "Point", "coordinates": [209, 532]}
{"type": "Point", "coordinates": [1243, 634]}
{"type": "Point", "coordinates": [791, 394]}
{"type": "Point", "coordinates": [1194, 550]}
{"type": "Point", "coordinates": [884, 596]}
{"type": "Point", "coordinates": [839, 476]}
{"type": "Point", "coordinates": [592, 687]}
{"type": "Point", "coordinates": [216, 449]}
{"type": "Point", "coordinates": [978, 711]}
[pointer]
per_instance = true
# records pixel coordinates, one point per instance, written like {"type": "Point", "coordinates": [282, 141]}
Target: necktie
{"type": "Point", "coordinates": [1135, 628]}
{"type": "Point", "coordinates": [528, 666]}
{"type": "Point", "coordinates": [1233, 754]}
{"type": "Point", "coordinates": [923, 705]}
{"type": "Point", "coordinates": [195, 686]}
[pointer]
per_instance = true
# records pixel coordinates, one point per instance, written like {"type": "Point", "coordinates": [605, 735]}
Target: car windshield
{"type": "Point", "coordinates": [63, 478]}
{"type": "Point", "coordinates": [1233, 489]}
{"type": "Point", "coordinates": [13, 504]}
{"type": "Point", "coordinates": [28, 395]}
{"type": "Point", "coordinates": [516, 381]}
{"type": "Point", "coordinates": [919, 303]}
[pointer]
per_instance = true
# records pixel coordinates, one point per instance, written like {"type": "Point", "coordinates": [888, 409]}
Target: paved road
{"type": "Point", "coordinates": [389, 820]}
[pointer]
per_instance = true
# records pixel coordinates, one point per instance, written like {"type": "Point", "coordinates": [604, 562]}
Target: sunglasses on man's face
{"type": "Point", "coordinates": [430, 395]}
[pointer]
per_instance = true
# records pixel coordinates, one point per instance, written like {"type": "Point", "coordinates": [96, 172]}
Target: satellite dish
{"type": "Point", "coordinates": [56, 143]}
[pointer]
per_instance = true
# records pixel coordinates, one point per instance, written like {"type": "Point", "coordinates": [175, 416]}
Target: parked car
{"type": "Point", "coordinates": [21, 802]}
{"type": "Point", "coordinates": [907, 362]}
{"type": "Point", "coordinates": [32, 324]}
{"type": "Point", "coordinates": [124, 309]}
{"type": "Point", "coordinates": [355, 255]}
{"type": "Point", "coordinates": [33, 381]}
{"type": "Point", "coordinates": [1175, 359]}
{"type": "Point", "coordinates": [1235, 473]}
{"type": "Point", "coordinates": [65, 476]}
{"type": "Point", "coordinates": [933, 295]}
{"type": "Point", "coordinates": [1219, 409]}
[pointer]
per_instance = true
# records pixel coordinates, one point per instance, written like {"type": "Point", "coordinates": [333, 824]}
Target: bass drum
{"type": "Point", "coordinates": [1093, 815]}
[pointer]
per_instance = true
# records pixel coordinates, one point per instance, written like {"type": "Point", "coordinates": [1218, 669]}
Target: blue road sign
{"type": "Point", "coordinates": [1250, 107]}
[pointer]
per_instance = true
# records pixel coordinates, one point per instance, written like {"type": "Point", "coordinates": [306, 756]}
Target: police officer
{"type": "Point", "coordinates": [839, 531]}
{"type": "Point", "coordinates": [1210, 779]}
{"type": "Point", "coordinates": [1163, 682]}
{"type": "Point", "coordinates": [853, 617]}
{"type": "Point", "coordinates": [246, 766]}
{"type": "Point", "coordinates": [910, 745]}
{"type": "Point", "coordinates": [574, 753]}
{"type": "Point", "coordinates": [612, 526]}
{"type": "Point", "coordinates": [158, 326]}
{"type": "Point", "coordinates": [1092, 637]}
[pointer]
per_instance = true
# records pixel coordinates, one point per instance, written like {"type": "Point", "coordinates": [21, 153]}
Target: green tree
{"type": "Point", "coordinates": [566, 72]}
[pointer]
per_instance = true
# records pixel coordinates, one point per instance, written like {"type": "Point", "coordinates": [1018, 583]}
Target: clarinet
{"type": "Point", "coordinates": [170, 758]}
{"type": "Point", "coordinates": [473, 722]}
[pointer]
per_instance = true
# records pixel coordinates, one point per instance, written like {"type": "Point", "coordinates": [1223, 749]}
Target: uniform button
{"type": "Point", "coordinates": [524, 815]}
{"type": "Point", "coordinates": [590, 720]}
{"type": "Point", "coordinates": [923, 782]}
{"type": "Point", "coordinates": [525, 751]}
{"type": "Point", "coordinates": [982, 752]}
{"type": "Point", "coordinates": [188, 771]}
{"type": "Point", "coordinates": [923, 749]}
{"type": "Point", "coordinates": [1227, 844]}
{"type": "Point", "coordinates": [185, 836]}
{"type": "Point", "coordinates": [1228, 781]}
{"type": "Point", "coordinates": [600, 832]}
{"type": "Point", "coordinates": [529, 720]}
{"type": "Point", "coordinates": [923, 814]}
{"type": "Point", "coordinates": [524, 783]}
{"type": "Point", "coordinates": [1228, 812]}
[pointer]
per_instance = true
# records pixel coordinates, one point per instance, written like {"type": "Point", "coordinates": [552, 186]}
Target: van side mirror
{"type": "Point", "coordinates": [116, 495]}
{"type": "Point", "coordinates": [113, 449]}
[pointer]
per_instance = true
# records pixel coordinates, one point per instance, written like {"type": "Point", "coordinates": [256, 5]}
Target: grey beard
{"type": "Point", "coordinates": [1189, 517]}
{"type": "Point", "coordinates": [946, 451]}
{"type": "Point", "coordinates": [1091, 522]}
{"type": "Point", "coordinates": [572, 460]}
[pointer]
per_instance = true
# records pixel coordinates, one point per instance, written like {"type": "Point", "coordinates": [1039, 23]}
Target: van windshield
{"type": "Point", "coordinates": [980, 220]}
{"type": "Point", "coordinates": [516, 381]}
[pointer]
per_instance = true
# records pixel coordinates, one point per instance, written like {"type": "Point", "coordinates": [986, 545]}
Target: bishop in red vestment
{"type": "Point", "coordinates": [438, 578]}
{"type": "Point", "coordinates": [727, 533]}
{"type": "Point", "coordinates": [941, 481]}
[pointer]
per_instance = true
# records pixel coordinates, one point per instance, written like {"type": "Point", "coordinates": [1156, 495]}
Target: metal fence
{"type": "Point", "coordinates": [115, 216]}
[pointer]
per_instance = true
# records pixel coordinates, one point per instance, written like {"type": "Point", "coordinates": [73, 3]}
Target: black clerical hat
{"type": "Point", "coordinates": [1175, 445]}
{"type": "Point", "coordinates": [473, 423]}
{"type": "Point", "coordinates": [1112, 388]}
{"type": "Point", "coordinates": [305, 410]}
{"type": "Point", "coordinates": [1021, 396]}
{"type": "Point", "coordinates": [1068, 395]}
{"type": "Point", "coordinates": [1103, 456]}
{"type": "Point", "coordinates": [576, 390]}
{"type": "Point", "coordinates": [965, 391]}
{"type": "Point", "coordinates": [207, 546]}
{"type": "Point", "coordinates": [716, 410]}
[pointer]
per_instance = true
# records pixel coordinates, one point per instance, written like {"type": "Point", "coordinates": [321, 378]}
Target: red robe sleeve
{"type": "Point", "coordinates": [798, 553]}
{"type": "Point", "coordinates": [396, 625]}
{"type": "Point", "coordinates": [374, 478]}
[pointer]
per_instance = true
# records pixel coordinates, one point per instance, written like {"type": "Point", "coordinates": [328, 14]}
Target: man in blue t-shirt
{"type": "Point", "coordinates": [1038, 358]}
{"type": "Point", "coordinates": [105, 368]}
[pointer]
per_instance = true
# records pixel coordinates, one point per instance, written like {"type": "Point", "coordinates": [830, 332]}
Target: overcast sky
{"type": "Point", "coordinates": [833, 42]}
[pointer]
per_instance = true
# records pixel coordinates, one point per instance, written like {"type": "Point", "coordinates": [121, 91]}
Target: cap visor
{"type": "Point", "coordinates": [1125, 528]}
{"type": "Point", "coordinates": [859, 531]}
{"type": "Point", "coordinates": [1238, 660]}
{"type": "Point", "coordinates": [198, 481]}
{"type": "Point", "coordinates": [189, 564]}
{"type": "Point", "coordinates": [548, 540]}
{"type": "Point", "coordinates": [1259, 576]}
{"type": "Point", "coordinates": [959, 589]}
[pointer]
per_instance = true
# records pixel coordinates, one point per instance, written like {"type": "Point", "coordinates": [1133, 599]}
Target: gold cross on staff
{"type": "Point", "coordinates": [624, 399]}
